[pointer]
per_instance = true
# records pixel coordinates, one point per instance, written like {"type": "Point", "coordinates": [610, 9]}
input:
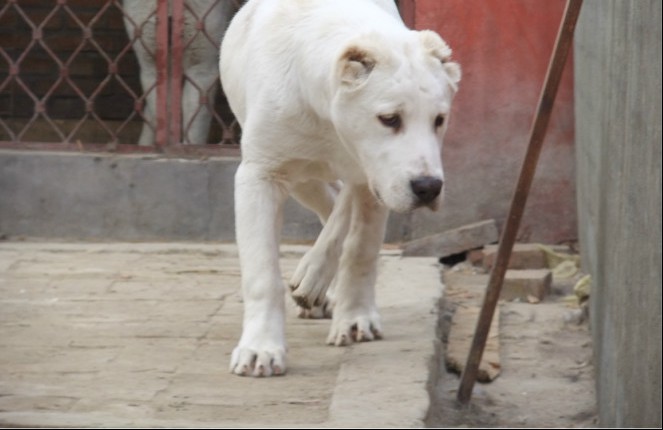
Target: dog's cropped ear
{"type": "Point", "coordinates": [439, 49]}
{"type": "Point", "coordinates": [355, 66]}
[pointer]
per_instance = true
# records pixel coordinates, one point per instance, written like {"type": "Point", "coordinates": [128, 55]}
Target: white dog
{"type": "Point", "coordinates": [199, 61]}
{"type": "Point", "coordinates": [327, 90]}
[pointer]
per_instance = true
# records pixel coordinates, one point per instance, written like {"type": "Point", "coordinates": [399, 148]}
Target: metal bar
{"type": "Point", "coordinates": [537, 134]}
{"type": "Point", "coordinates": [161, 137]}
{"type": "Point", "coordinates": [176, 64]}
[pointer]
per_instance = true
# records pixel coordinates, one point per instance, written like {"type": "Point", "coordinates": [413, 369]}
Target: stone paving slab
{"type": "Point", "coordinates": [140, 335]}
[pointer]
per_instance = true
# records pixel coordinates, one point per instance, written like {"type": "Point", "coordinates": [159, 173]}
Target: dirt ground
{"type": "Point", "coordinates": [546, 375]}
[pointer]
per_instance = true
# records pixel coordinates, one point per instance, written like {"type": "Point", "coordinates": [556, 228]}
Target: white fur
{"type": "Point", "coordinates": [198, 62]}
{"type": "Point", "coordinates": [313, 84]}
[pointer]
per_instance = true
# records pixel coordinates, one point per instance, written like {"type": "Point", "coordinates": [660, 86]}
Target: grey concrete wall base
{"type": "Point", "coordinates": [56, 195]}
{"type": "Point", "coordinates": [618, 138]}
{"type": "Point", "coordinates": [125, 197]}
{"type": "Point", "coordinates": [82, 196]}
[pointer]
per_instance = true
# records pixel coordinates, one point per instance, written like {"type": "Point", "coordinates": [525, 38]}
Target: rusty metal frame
{"type": "Point", "coordinates": [177, 50]}
{"type": "Point", "coordinates": [168, 56]}
{"type": "Point", "coordinates": [162, 74]}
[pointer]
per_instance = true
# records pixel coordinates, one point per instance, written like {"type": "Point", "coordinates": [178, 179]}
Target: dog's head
{"type": "Point", "coordinates": [391, 108]}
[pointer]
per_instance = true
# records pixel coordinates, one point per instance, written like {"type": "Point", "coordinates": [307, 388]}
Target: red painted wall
{"type": "Point", "coordinates": [504, 47]}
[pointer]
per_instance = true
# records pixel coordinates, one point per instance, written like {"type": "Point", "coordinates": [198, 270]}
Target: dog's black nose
{"type": "Point", "coordinates": [426, 188]}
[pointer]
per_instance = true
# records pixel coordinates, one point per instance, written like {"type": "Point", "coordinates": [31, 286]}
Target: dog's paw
{"type": "Point", "coordinates": [311, 280]}
{"type": "Point", "coordinates": [350, 327]}
{"type": "Point", "coordinates": [316, 312]}
{"type": "Point", "coordinates": [258, 362]}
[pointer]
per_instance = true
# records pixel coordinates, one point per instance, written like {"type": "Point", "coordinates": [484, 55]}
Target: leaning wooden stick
{"type": "Point", "coordinates": [537, 134]}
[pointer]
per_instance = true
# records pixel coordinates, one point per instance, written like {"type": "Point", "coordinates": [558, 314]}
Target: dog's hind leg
{"type": "Point", "coordinates": [317, 269]}
{"type": "Point", "coordinates": [355, 315]}
{"type": "Point", "coordinates": [258, 214]}
{"type": "Point", "coordinates": [319, 197]}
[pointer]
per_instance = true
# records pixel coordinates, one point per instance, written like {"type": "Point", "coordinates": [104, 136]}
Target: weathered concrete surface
{"type": "Point", "coordinates": [618, 123]}
{"type": "Point", "coordinates": [546, 379]}
{"type": "Point", "coordinates": [140, 335]}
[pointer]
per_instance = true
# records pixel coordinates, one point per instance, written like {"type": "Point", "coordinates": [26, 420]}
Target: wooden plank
{"type": "Point", "coordinates": [453, 241]}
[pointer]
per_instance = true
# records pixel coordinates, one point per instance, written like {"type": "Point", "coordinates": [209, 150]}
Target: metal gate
{"type": "Point", "coordinates": [105, 75]}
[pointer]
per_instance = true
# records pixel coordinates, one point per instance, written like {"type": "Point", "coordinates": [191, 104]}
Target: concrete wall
{"type": "Point", "coordinates": [618, 138]}
{"type": "Point", "coordinates": [109, 197]}
{"type": "Point", "coordinates": [59, 195]}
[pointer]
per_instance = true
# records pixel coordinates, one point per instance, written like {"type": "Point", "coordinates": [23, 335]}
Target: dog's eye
{"type": "Point", "coordinates": [439, 121]}
{"type": "Point", "coordinates": [392, 121]}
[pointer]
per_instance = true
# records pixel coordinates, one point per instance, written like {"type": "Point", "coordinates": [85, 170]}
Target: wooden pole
{"type": "Point", "coordinates": [537, 134]}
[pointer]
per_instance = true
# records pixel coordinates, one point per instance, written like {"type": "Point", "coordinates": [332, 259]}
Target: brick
{"type": "Point", "coordinates": [454, 241]}
{"type": "Point", "coordinates": [523, 256]}
{"type": "Point", "coordinates": [521, 284]}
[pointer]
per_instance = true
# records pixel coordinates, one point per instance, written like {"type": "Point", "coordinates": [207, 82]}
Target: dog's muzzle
{"type": "Point", "coordinates": [426, 189]}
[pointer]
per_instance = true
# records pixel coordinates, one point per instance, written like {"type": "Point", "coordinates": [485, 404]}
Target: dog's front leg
{"type": "Point", "coordinates": [258, 217]}
{"type": "Point", "coordinates": [355, 315]}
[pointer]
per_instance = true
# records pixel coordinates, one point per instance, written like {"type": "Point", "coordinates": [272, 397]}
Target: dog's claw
{"type": "Point", "coordinates": [248, 362]}
{"type": "Point", "coordinates": [302, 301]}
{"type": "Point", "coordinates": [319, 311]}
{"type": "Point", "coordinates": [312, 279]}
{"type": "Point", "coordinates": [364, 329]}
